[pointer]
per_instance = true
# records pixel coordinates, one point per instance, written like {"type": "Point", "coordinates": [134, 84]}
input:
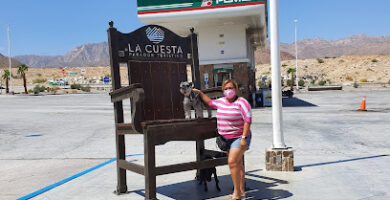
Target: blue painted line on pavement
{"type": "Point", "coordinates": [45, 189]}
{"type": "Point", "coordinates": [32, 135]}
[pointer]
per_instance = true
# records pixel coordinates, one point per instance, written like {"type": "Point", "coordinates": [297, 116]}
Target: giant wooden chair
{"type": "Point", "coordinates": [156, 102]}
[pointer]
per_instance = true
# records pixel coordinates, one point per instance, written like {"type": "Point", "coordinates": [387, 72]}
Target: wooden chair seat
{"type": "Point", "coordinates": [164, 131]}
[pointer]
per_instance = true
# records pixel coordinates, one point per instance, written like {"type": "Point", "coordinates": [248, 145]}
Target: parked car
{"type": "Point", "coordinates": [61, 81]}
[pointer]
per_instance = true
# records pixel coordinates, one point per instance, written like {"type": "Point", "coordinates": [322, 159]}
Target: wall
{"type": "Point", "coordinates": [233, 43]}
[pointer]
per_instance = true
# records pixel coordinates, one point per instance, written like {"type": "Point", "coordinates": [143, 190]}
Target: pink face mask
{"type": "Point", "coordinates": [229, 93]}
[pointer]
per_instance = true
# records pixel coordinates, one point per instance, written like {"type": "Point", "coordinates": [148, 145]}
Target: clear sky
{"type": "Point", "coordinates": [53, 27]}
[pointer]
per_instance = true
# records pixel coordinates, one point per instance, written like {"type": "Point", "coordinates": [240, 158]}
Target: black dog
{"type": "Point", "coordinates": [204, 175]}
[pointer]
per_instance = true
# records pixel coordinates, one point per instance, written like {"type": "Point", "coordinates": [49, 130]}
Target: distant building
{"type": "Point", "coordinates": [229, 33]}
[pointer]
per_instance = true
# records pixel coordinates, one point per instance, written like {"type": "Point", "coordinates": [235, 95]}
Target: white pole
{"type": "Point", "coordinates": [1, 83]}
{"type": "Point", "coordinates": [9, 61]}
{"type": "Point", "coordinates": [296, 54]}
{"type": "Point", "coordinates": [278, 141]}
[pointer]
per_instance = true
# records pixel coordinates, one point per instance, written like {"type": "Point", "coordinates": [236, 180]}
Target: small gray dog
{"type": "Point", "coordinates": [193, 99]}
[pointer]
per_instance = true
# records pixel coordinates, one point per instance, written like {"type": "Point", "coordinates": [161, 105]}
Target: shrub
{"type": "Point", "coordinates": [75, 86]}
{"type": "Point", "coordinates": [348, 78]}
{"type": "Point", "coordinates": [284, 65]}
{"type": "Point", "coordinates": [313, 82]}
{"type": "Point", "coordinates": [30, 91]}
{"type": "Point", "coordinates": [86, 88]}
{"type": "Point", "coordinates": [53, 89]}
{"type": "Point", "coordinates": [269, 84]}
{"type": "Point", "coordinates": [341, 61]}
{"type": "Point", "coordinates": [301, 83]}
{"type": "Point", "coordinates": [38, 89]}
{"type": "Point", "coordinates": [319, 60]}
{"type": "Point", "coordinates": [355, 85]}
{"type": "Point", "coordinates": [288, 82]}
{"type": "Point", "coordinates": [260, 84]}
{"type": "Point", "coordinates": [363, 80]}
{"type": "Point", "coordinates": [322, 82]}
{"type": "Point", "coordinates": [266, 73]}
{"type": "Point", "coordinates": [374, 60]}
{"type": "Point", "coordinates": [328, 81]}
{"type": "Point", "coordinates": [39, 80]}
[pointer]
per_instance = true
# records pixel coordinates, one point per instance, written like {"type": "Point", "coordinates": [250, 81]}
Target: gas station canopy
{"type": "Point", "coordinates": [181, 15]}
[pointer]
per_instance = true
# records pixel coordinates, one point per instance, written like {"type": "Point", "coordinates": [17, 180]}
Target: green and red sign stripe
{"type": "Point", "coordinates": [187, 5]}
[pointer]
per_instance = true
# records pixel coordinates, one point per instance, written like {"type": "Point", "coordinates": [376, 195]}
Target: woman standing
{"type": "Point", "coordinates": [234, 117]}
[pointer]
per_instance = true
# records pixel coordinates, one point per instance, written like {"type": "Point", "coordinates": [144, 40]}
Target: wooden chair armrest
{"type": "Point", "coordinates": [136, 93]}
{"type": "Point", "coordinates": [130, 91]}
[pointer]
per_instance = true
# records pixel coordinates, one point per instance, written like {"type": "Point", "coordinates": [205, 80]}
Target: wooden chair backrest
{"type": "Point", "coordinates": [160, 81]}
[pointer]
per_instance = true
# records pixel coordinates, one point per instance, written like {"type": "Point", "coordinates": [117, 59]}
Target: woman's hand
{"type": "Point", "coordinates": [204, 97]}
{"type": "Point", "coordinates": [196, 90]}
{"type": "Point", "coordinates": [243, 144]}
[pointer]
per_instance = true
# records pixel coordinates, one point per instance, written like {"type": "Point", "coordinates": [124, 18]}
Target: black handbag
{"type": "Point", "coordinates": [223, 143]}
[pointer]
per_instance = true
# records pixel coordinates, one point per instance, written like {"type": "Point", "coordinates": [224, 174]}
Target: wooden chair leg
{"type": "Point", "coordinates": [121, 173]}
{"type": "Point", "coordinates": [150, 168]}
{"type": "Point", "coordinates": [199, 153]}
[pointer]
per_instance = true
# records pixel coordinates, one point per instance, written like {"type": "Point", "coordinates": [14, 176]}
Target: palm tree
{"type": "Point", "coordinates": [6, 77]}
{"type": "Point", "coordinates": [22, 71]}
{"type": "Point", "coordinates": [292, 71]}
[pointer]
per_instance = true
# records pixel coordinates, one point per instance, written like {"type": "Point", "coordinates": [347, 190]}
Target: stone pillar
{"type": "Point", "coordinates": [279, 159]}
{"type": "Point", "coordinates": [240, 74]}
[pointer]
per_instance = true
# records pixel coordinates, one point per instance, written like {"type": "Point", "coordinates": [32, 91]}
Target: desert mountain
{"type": "Point", "coordinates": [263, 56]}
{"type": "Point", "coordinates": [4, 62]}
{"type": "Point", "coordinates": [96, 54]}
{"type": "Point", "coordinates": [361, 45]}
{"type": "Point", "coordinates": [91, 54]}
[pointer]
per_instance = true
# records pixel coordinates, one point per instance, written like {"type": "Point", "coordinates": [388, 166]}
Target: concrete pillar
{"type": "Point", "coordinates": [279, 157]}
{"type": "Point", "coordinates": [278, 140]}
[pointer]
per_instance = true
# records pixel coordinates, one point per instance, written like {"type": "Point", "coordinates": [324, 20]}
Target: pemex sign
{"type": "Point", "coordinates": [159, 6]}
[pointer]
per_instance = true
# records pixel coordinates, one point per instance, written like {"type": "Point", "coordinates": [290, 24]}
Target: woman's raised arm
{"type": "Point", "coordinates": [204, 97]}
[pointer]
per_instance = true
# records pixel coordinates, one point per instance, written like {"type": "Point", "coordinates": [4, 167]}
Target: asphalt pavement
{"type": "Point", "coordinates": [62, 147]}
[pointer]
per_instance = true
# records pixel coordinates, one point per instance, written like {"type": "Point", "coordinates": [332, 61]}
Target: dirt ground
{"type": "Point", "coordinates": [344, 69]}
{"type": "Point", "coordinates": [341, 70]}
{"type": "Point", "coordinates": [92, 75]}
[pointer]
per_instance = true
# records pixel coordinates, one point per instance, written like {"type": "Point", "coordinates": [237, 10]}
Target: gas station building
{"type": "Point", "coordinates": [229, 32]}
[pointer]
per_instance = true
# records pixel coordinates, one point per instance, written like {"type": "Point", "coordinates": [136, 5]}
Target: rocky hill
{"type": "Point", "coordinates": [355, 45]}
{"type": "Point", "coordinates": [4, 62]}
{"type": "Point", "coordinates": [335, 70]}
{"type": "Point", "coordinates": [96, 54]}
{"type": "Point", "coordinates": [263, 56]}
{"type": "Point", "coordinates": [91, 54]}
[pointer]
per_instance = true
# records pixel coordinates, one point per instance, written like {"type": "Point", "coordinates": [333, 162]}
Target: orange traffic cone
{"type": "Point", "coordinates": [363, 105]}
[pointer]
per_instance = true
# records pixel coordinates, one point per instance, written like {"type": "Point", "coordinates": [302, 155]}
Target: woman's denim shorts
{"type": "Point", "coordinates": [236, 143]}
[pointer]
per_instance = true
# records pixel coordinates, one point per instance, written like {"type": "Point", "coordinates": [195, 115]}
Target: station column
{"type": "Point", "coordinates": [279, 157]}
